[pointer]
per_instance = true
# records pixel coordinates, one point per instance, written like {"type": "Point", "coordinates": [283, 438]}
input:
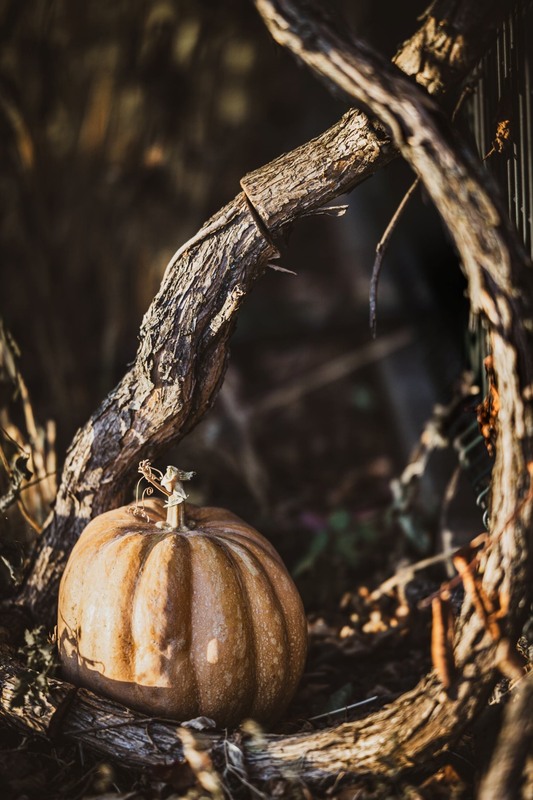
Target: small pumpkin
{"type": "Point", "coordinates": [180, 611]}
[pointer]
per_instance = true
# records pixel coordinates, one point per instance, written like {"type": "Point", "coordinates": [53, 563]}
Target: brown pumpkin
{"type": "Point", "coordinates": [203, 619]}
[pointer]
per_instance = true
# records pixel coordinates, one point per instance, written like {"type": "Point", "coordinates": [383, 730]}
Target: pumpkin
{"type": "Point", "coordinates": [195, 615]}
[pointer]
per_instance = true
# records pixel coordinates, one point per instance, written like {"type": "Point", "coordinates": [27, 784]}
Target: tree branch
{"type": "Point", "coordinates": [185, 333]}
{"type": "Point", "coordinates": [500, 287]}
{"type": "Point", "coordinates": [514, 747]}
{"type": "Point", "coordinates": [182, 357]}
{"type": "Point", "coordinates": [354, 748]}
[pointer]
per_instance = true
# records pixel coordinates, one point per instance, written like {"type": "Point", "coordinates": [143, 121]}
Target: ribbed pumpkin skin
{"type": "Point", "coordinates": [181, 624]}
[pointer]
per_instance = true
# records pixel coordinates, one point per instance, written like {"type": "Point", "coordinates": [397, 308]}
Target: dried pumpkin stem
{"type": "Point", "coordinates": [171, 485]}
{"type": "Point", "coordinates": [176, 516]}
{"type": "Point", "coordinates": [172, 481]}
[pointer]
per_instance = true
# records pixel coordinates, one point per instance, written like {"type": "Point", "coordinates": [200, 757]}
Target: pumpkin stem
{"type": "Point", "coordinates": [171, 485]}
{"type": "Point", "coordinates": [175, 514]}
{"type": "Point", "coordinates": [172, 481]}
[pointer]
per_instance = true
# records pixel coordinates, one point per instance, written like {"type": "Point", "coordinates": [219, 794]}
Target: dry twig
{"type": "Point", "coordinates": [381, 249]}
{"type": "Point", "coordinates": [182, 358]}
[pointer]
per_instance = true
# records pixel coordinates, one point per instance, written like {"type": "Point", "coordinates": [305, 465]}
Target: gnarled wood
{"type": "Point", "coordinates": [181, 360]}
{"type": "Point", "coordinates": [506, 775]}
{"type": "Point", "coordinates": [356, 748]}
{"type": "Point", "coordinates": [185, 333]}
{"type": "Point", "coordinates": [501, 288]}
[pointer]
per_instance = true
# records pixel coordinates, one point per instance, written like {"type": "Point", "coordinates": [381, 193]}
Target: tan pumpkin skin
{"type": "Point", "coordinates": [182, 624]}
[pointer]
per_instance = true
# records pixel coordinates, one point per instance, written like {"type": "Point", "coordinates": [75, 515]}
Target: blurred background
{"type": "Point", "coordinates": [123, 127]}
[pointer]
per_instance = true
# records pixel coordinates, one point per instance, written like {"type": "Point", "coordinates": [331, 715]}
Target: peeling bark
{"type": "Point", "coordinates": [440, 54]}
{"type": "Point", "coordinates": [185, 333]}
{"type": "Point", "coordinates": [500, 287]}
{"type": "Point", "coordinates": [356, 748]}
{"type": "Point", "coordinates": [182, 355]}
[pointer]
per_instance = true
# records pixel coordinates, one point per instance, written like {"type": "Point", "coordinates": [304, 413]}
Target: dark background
{"type": "Point", "coordinates": [124, 126]}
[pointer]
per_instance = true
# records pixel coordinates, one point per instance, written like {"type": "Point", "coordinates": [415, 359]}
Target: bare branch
{"type": "Point", "coordinates": [500, 288]}
{"type": "Point", "coordinates": [185, 333]}
{"type": "Point", "coordinates": [182, 356]}
{"type": "Point", "coordinates": [381, 249]}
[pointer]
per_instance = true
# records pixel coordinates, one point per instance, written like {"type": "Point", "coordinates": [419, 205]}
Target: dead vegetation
{"type": "Point", "coordinates": [373, 717]}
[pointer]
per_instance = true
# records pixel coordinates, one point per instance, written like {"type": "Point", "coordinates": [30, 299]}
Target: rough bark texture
{"type": "Point", "coordinates": [500, 287]}
{"type": "Point", "coordinates": [31, 711]}
{"type": "Point", "coordinates": [177, 371]}
{"type": "Point", "coordinates": [185, 333]}
{"type": "Point", "coordinates": [442, 51]}
{"type": "Point", "coordinates": [356, 748]}
{"type": "Point", "coordinates": [506, 777]}
{"type": "Point", "coordinates": [182, 356]}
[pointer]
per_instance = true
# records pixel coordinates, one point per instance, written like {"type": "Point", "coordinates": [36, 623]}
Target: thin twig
{"type": "Point", "coordinates": [345, 709]}
{"type": "Point", "coordinates": [407, 573]}
{"type": "Point", "coordinates": [383, 243]}
{"type": "Point", "coordinates": [277, 268]}
{"type": "Point", "coordinates": [442, 633]}
{"type": "Point", "coordinates": [26, 514]}
{"type": "Point", "coordinates": [13, 441]}
{"type": "Point", "coordinates": [380, 252]}
{"type": "Point", "coordinates": [37, 481]}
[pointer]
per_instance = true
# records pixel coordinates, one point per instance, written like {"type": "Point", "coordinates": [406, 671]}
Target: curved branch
{"type": "Point", "coordinates": [354, 748]}
{"type": "Point", "coordinates": [176, 374]}
{"type": "Point", "coordinates": [500, 287]}
{"type": "Point", "coordinates": [185, 333]}
{"type": "Point", "coordinates": [181, 360]}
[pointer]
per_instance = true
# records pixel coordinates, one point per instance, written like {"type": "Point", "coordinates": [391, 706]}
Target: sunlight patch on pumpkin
{"type": "Point", "coordinates": [212, 651]}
